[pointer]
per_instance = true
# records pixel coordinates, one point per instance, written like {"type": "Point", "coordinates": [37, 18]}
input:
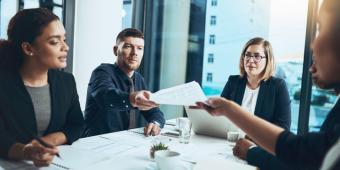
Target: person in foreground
{"type": "Point", "coordinates": [35, 99]}
{"type": "Point", "coordinates": [303, 151]}
{"type": "Point", "coordinates": [116, 95]}
{"type": "Point", "coordinates": [261, 94]}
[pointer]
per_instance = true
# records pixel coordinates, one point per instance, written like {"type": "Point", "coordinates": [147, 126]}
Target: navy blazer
{"type": "Point", "coordinates": [108, 105]}
{"type": "Point", "coordinates": [17, 117]}
{"type": "Point", "coordinates": [273, 105]}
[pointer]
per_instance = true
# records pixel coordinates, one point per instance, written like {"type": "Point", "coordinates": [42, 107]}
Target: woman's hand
{"type": "Point", "coordinates": [216, 106]}
{"type": "Point", "coordinates": [241, 148]}
{"type": "Point", "coordinates": [40, 155]}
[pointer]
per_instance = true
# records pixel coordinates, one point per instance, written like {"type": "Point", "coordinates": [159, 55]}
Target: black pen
{"type": "Point", "coordinates": [43, 143]}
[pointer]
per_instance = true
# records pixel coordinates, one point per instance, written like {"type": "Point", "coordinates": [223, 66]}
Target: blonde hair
{"type": "Point", "coordinates": [268, 51]}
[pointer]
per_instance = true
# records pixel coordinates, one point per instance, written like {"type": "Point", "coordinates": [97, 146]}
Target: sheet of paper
{"type": "Point", "coordinates": [186, 94]}
{"type": "Point", "coordinates": [75, 158]}
{"type": "Point", "coordinates": [6, 164]}
{"type": "Point", "coordinates": [219, 164]}
{"type": "Point", "coordinates": [92, 143]}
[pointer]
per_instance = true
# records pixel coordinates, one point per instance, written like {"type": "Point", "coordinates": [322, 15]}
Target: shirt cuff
{"type": "Point", "coordinates": [156, 123]}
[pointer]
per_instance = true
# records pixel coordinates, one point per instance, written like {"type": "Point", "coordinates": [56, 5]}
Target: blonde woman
{"type": "Point", "coordinates": [261, 94]}
{"type": "Point", "coordinates": [301, 151]}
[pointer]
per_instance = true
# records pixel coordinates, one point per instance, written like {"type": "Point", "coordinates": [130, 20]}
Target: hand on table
{"type": "Point", "coordinates": [241, 148]}
{"type": "Point", "coordinates": [152, 129]}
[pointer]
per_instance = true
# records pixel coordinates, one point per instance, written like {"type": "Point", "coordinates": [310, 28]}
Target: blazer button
{"type": "Point", "coordinates": [123, 101]}
{"type": "Point", "coordinates": [111, 105]}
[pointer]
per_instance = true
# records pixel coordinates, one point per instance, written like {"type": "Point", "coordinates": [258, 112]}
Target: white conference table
{"type": "Point", "coordinates": [129, 150]}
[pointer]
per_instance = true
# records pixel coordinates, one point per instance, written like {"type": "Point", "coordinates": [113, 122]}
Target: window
{"type": "Point", "coordinates": [213, 20]}
{"type": "Point", "coordinates": [127, 14]}
{"type": "Point", "coordinates": [209, 77]}
{"type": "Point", "coordinates": [321, 103]}
{"type": "Point", "coordinates": [210, 58]}
{"type": "Point", "coordinates": [7, 9]}
{"type": "Point", "coordinates": [212, 39]}
{"type": "Point", "coordinates": [213, 2]}
{"type": "Point", "coordinates": [264, 19]}
{"type": "Point", "coordinates": [56, 6]}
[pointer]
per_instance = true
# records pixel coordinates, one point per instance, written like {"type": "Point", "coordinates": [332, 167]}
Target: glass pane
{"type": "Point", "coordinates": [322, 102]}
{"type": "Point", "coordinates": [127, 14]}
{"type": "Point", "coordinates": [58, 2]}
{"type": "Point", "coordinates": [239, 21]}
{"type": "Point", "coordinates": [59, 12]}
{"type": "Point", "coordinates": [8, 9]}
{"type": "Point", "coordinates": [31, 4]}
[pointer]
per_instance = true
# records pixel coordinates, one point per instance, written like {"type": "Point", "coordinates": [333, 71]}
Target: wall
{"type": "Point", "coordinates": [96, 25]}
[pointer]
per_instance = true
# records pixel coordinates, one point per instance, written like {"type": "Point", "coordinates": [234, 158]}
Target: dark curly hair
{"type": "Point", "coordinates": [25, 26]}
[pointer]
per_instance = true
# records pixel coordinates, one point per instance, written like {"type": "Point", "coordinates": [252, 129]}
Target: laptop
{"type": "Point", "coordinates": [205, 124]}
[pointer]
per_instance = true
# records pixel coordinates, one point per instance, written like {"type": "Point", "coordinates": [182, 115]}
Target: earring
{"type": "Point", "coordinates": [30, 54]}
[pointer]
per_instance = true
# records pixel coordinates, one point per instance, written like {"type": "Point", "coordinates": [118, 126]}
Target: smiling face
{"type": "Point", "coordinates": [326, 53]}
{"type": "Point", "coordinates": [129, 53]}
{"type": "Point", "coordinates": [254, 68]}
{"type": "Point", "coordinates": [49, 50]}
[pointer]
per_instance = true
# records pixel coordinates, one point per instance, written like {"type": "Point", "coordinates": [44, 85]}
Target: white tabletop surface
{"type": "Point", "coordinates": [129, 150]}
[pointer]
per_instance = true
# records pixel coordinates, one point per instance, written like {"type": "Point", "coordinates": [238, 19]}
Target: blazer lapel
{"type": "Point", "coordinates": [54, 103]}
{"type": "Point", "coordinates": [241, 86]}
{"type": "Point", "coordinates": [25, 112]}
{"type": "Point", "coordinates": [263, 92]}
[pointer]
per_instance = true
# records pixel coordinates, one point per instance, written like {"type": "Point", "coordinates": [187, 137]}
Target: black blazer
{"type": "Point", "coordinates": [273, 105]}
{"type": "Point", "coordinates": [17, 117]}
{"type": "Point", "coordinates": [307, 151]}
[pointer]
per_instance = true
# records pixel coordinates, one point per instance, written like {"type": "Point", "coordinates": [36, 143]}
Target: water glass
{"type": "Point", "coordinates": [184, 126]}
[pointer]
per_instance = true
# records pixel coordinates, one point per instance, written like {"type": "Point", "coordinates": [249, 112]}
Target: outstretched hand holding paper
{"type": "Point", "coordinates": [186, 94]}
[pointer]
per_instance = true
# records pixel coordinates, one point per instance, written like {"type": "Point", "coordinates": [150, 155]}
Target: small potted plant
{"type": "Point", "coordinates": [157, 147]}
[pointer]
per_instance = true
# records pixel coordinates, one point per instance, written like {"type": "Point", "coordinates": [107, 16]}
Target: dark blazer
{"type": "Point", "coordinates": [108, 105]}
{"type": "Point", "coordinates": [307, 151]}
{"type": "Point", "coordinates": [273, 105]}
{"type": "Point", "coordinates": [17, 117]}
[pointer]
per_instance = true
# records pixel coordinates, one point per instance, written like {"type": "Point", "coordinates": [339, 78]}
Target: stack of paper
{"type": "Point", "coordinates": [186, 94]}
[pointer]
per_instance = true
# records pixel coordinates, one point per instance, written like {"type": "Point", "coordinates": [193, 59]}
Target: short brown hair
{"type": "Point", "coordinates": [268, 51]}
{"type": "Point", "coordinates": [129, 32]}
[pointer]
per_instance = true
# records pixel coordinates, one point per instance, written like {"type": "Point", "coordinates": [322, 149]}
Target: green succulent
{"type": "Point", "coordinates": [157, 147]}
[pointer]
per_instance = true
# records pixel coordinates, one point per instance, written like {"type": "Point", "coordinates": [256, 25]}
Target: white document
{"type": "Point", "coordinates": [221, 164]}
{"type": "Point", "coordinates": [186, 94]}
{"type": "Point", "coordinates": [75, 158]}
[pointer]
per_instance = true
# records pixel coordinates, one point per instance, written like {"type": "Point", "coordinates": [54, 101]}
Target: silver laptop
{"type": "Point", "coordinates": [205, 124]}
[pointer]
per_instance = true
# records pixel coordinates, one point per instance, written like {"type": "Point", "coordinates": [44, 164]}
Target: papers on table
{"type": "Point", "coordinates": [186, 94]}
{"type": "Point", "coordinates": [219, 164]}
{"type": "Point", "coordinates": [74, 158]}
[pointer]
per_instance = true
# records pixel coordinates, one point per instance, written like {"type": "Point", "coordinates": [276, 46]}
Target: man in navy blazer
{"type": "Point", "coordinates": [117, 98]}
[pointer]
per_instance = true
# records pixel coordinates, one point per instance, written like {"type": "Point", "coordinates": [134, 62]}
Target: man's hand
{"type": "Point", "coordinates": [152, 129]}
{"type": "Point", "coordinates": [241, 148]}
{"type": "Point", "coordinates": [141, 100]}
